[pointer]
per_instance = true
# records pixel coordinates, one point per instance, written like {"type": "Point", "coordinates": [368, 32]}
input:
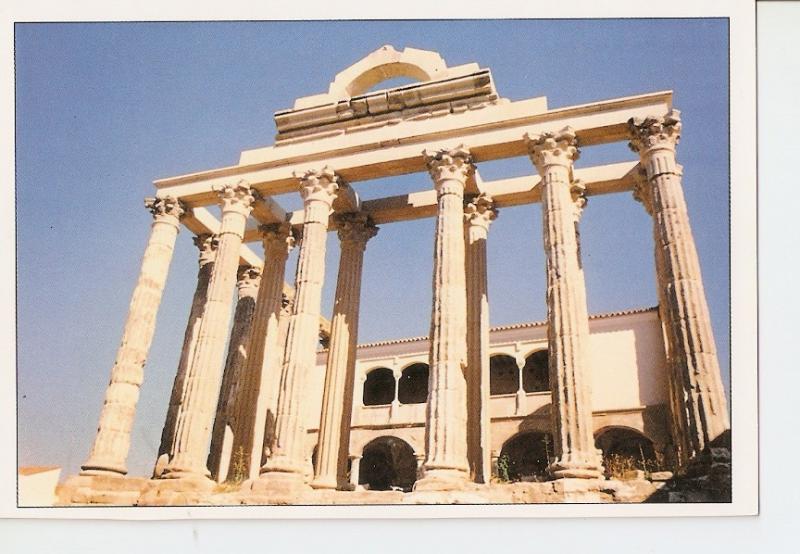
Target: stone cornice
{"type": "Point", "coordinates": [386, 107]}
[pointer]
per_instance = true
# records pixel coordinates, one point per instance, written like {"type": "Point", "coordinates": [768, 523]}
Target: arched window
{"type": "Point", "coordinates": [503, 375]}
{"type": "Point", "coordinates": [624, 448]}
{"type": "Point", "coordinates": [379, 387]}
{"type": "Point", "coordinates": [525, 457]}
{"type": "Point", "coordinates": [388, 463]}
{"type": "Point", "coordinates": [413, 385]}
{"type": "Point", "coordinates": [535, 374]}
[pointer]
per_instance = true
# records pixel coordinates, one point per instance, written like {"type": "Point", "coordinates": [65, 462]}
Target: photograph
{"type": "Point", "coordinates": [377, 263]}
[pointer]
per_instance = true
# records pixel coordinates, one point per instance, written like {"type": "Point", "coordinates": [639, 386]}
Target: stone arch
{"type": "Point", "coordinates": [526, 456]}
{"type": "Point", "coordinates": [627, 446]}
{"type": "Point", "coordinates": [503, 374]}
{"type": "Point", "coordinates": [413, 385]}
{"type": "Point", "coordinates": [388, 463]}
{"type": "Point", "coordinates": [535, 372]}
{"type": "Point", "coordinates": [379, 387]}
{"type": "Point", "coordinates": [387, 63]}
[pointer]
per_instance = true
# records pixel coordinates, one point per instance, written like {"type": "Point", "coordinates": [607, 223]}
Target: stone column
{"type": "Point", "coordinates": [285, 468]}
{"type": "Point", "coordinates": [196, 412]}
{"type": "Point", "coordinates": [337, 401]}
{"type": "Point", "coordinates": [446, 466]}
{"type": "Point", "coordinates": [698, 395]}
{"type": "Point", "coordinates": [207, 244]}
{"type": "Point", "coordinates": [257, 393]}
{"type": "Point", "coordinates": [567, 316]}
{"type": "Point", "coordinates": [113, 440]}
{"type": "Point", "coordinates": [355, 470]}
{"type": "Point", "coordinates": [479, 213]}
{"type": "Point", "coordinates": [228, 423]}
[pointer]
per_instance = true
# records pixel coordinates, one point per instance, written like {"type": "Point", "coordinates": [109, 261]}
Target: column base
{"type": "Point", "coordinates": [278, 484]}
{"type": "Point", "coordinates": [443, 480]}
{"type": "Point", "coordinates": [325, 483]}
{"type": "Point", "coordinates": [101, 488]}
{"type": "Point", "coordinates": [575, 470]}
{"type": "Point", "coordinates": [175, 490]}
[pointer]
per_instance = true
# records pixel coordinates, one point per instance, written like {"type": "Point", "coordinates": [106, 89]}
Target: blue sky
{"type": "Point", "coordinates": [104, 109]}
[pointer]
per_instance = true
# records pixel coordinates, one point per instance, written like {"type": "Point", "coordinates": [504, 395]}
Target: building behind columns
{"type": "Point", "coordinates": [275, 402]}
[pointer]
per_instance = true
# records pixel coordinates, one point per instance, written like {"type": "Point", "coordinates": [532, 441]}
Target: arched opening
{"type": "Point", "coordinates": [525, 457]}
{"type": "Point", "coordinates": [413, 385]}
{"type": "Point", "coordinates": [626, 449]}
{"type": "Point", "coordinates": [388, 463]}
{"type": "Point", "coordinates": [379, 387]}
{"type": "Point", "coordinates": [535, 373]}
{"type": "Point", "coordinates": [503, 375]}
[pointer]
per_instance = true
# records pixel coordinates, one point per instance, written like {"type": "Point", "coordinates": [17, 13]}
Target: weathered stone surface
{"type": "Point", "coordinates": [479, 212]}
{"type": "Point", "coordinates": [446, 466]}
{"type": "Point", "coordinates": [661, 476]}
{"type": "Point", "coordinates": [207, 244]}
{"type": "Point", "coordinates": [567, 315]}
{"type": "Point", "coordinates": [111, 445]}
{"type": "Point", "coordinates": [697, 393]}
{"type": "Point", "coordinates": [285, 469]}
{"type": "Point", "coordinates": [337, 401]}
{"type": "Point", "coordinates": [228, 422]}
{"type": "Point", "coordinates": [257, 393]}
{"type": "Point", "coordinates": [203, 376]}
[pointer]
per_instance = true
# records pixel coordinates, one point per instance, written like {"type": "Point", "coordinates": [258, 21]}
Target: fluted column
{"type": "Point", "coordinates": [287, 464]}
{"type": "Point", "coordinates": [698, 395]}
{"type": "Point", "coordinates": [446, 465]}
{"type": "Point", "coordinates": [478, 215]}
{"type": "Point", "coordinates": [567, 316]}
{"type": "Point", "coordinates": [207, 244]}
{"type": "Point", "coordinates": [228, 423]}
{"type": "Point", "coordinates": [112, 442]}
{"type": "Point", "coordinates": [204, 372]}
{"type": "Point", "coordinates": [256, 393]}
{"type": "Point", "coordinates": [337, 400]}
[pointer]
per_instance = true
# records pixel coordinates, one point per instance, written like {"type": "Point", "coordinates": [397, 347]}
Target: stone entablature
{"type": "Point", "coordinates": [348, 106]}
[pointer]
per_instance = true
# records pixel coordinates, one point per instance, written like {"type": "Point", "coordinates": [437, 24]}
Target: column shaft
{"type": "Point", "coordinates": [266, 352]}
{"type": "Point", "coordinates": [287, 464]}
{"type": "Point", "coordinates": [698, 394]}
{"type": "Point", "coordinates": [207, 244]}
{"type": "Point", "coordinates": [112, 442]}
{"type": "Point", "coordinates": [228, 423]}
{"type": "Point", "coordinates": [204, 372]}
{"type": "Point", "coordinates": [567, 316]}
{"type": "Point", "coordinates": [478, 215]}
{"type": "Point", "coordinates": [446, 466]}
{"type": "Point", "coordinates": [337, 400]}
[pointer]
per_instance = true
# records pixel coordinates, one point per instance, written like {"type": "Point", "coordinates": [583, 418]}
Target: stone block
{"type": "Point", "coordinates": [661, 476]}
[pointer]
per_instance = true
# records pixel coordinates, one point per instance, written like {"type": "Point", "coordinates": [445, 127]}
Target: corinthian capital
{"type": "Point", "coordinates": [355, 227]}
{"type": "Point", "coordinates": [549, 148]}
{"type": "Point", "coordinates": [207, 244]}
{"type": "Point", "coordinates": [449, 165]}
{"type": "Point", "coordinates": [319, 184]}
{"type": "Point", "coordinates": [236, 198]}
{"type": "Point", "coordinates": [277, 238]}
{"type": "Point", "coordinates": [578, 192]}
{"type": "Point", "coordinates": [248, 280]}
{"type": "Point", "coordinates": [654, 132]}
{"type": "Point", "coordinates": [166, 206]}
{"type": "Point", "coordinates": [480, 211]}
